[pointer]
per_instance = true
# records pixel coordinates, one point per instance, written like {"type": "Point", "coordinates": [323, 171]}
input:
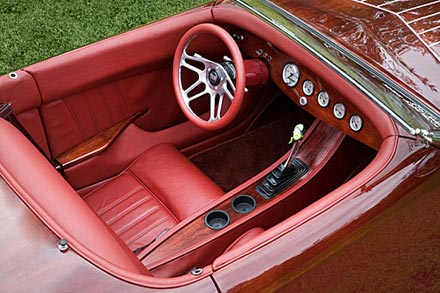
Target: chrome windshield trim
{"type": "Point", "coordinates": [385, 93]}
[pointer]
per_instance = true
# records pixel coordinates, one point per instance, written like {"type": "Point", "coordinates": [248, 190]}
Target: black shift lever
{"type": "Point", "coordinates": [286, 173]}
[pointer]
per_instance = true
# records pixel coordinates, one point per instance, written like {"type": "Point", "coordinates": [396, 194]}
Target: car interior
{"type": "Point", "coordinates": [175, 148]}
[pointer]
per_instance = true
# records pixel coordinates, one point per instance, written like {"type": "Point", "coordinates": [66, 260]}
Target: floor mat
{"type": "Point", "coordinates": [233, 162]}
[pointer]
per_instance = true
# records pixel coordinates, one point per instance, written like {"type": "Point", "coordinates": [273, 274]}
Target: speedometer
{"type": "Point", "coordinates": [290, 74]}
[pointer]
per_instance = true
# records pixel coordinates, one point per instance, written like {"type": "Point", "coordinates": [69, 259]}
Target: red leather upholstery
{"type": "Point", "coordinates": [49, 196]}
{"type": "Point", "coordinates": [88, 90]}
{"type": "Point", "coordinates": [160, 189]}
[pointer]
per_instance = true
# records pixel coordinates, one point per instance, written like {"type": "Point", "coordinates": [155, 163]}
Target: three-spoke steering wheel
{"type": "Point", "coordinates": [218, 81]}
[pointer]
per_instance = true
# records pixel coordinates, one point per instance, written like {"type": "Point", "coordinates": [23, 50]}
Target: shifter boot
{"type": "Point", "coordinates": [281, 177]}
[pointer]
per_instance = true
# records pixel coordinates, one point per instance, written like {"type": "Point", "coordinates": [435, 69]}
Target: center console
{"type": "Point", "coordinates": [202, 238]}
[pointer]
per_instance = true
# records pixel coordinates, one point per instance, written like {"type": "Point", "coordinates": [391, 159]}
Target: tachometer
{"type": "Point", "coordinates": [290, 74]}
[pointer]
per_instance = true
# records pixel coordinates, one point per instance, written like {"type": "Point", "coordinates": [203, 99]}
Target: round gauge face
{"type": "Point", "coordinates": [356, 123]}
{"type": "Point", "coordinates": [290, 74]}
{"type": "Point", "coordinates": [323, 99]}
{"type": "Point", "coordinates": [308, 87]}
{"type": "Point", "coordinates": [339, 110]}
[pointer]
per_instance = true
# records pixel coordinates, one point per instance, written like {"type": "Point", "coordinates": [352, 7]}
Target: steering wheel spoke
{"type": "Point", "coordinates": [191, 67]}
{"type": "Point", "coordinates": [212, 106]}
{"type": "Point", "coordinates": [219, 106]}
{"type": "Point", "coordinates": [189, 99]}
{"type": "Point", "coordinates": [193, 86]}
{"type": "Point", "coordinates": [228, 93]}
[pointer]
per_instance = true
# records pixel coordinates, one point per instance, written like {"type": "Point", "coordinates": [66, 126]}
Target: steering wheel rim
{"type": "Point", "coordinates": [220, 90]}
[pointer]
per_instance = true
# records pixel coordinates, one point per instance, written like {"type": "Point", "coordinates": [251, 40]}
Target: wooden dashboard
{"type": "Point", "coordinates": [308, 90]}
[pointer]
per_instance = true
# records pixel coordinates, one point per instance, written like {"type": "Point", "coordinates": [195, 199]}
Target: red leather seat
{"type": "Point", "coordinates": [160, 189]}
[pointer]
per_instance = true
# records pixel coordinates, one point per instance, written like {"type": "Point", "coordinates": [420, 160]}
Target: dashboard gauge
{"type": "Point", "coordinates": [308, 87]}
{"type": "Point", "coordinates": [323, 99]}
{"type": "Point", "coordinates": [356, 123]}
{"type": "Point", "coordinates": [339, 110]}
{"type": "Point", "coordinates": [290, 74]}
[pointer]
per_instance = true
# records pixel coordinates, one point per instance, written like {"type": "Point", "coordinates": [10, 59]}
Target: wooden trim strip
{"type": "Point", "coordinates": [96, 144]}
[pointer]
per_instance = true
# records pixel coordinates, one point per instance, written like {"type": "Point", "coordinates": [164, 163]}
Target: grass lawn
{"type": "Point", "coordinates": [34, 30]}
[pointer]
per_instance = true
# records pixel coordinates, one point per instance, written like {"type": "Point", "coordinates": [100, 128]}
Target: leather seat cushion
{"type": "Point", "coordinates": [160, 189]}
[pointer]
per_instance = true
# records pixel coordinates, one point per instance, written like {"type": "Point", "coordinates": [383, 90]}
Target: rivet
{"type": "Point", "coordinates": [13, 75]}
{"type": "Point", "coordinates": [196, 271]}
{"type": "Point", "coordinates": [63, 246]}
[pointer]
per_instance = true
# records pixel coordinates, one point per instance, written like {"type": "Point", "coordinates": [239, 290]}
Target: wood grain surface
{"type": "Point", "coordinates": [94, 145]}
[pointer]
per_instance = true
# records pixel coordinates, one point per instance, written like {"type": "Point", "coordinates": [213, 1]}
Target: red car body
{"type": "Point", "coordinates": [364, 217]}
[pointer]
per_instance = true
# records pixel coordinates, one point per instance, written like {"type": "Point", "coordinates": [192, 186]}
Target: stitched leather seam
{"type": "Point", "coordinates": [128, 210]}
{"type": "Point", "coordinates": [121, 97]}
{"type": "Point", "coordinates": [75, 119]}
{"type": "Point", "coordinates": [91, 112]}
{"type": "Point", "coordinates": [135, 222]}
{"type": "Point", "coordinates": [142, 233]}
{"type": "Point", "coordinates": [119, 200]}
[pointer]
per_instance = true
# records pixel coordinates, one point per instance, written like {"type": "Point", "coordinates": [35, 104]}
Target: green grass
{"type": "Point", "coordinates": [34, 30]}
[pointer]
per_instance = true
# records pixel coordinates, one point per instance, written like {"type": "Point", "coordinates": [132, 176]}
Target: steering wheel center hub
{"type": "Point", "coordinates": [214, 76]}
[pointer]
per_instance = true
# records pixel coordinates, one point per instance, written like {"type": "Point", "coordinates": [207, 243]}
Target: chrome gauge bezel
{"type": "Point", "coordinates": [323, 99]}
{"type": "Point", "coordinates": [356, 123]}
{"type": "Point", "coordinates": [339, 111]}
{"type": "Point", "coordinates": [308, 87]}
{"type": "Point", "coordinates": [291, 74]}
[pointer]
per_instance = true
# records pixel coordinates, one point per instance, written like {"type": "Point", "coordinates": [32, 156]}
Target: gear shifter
{"type": "Point", "coordinates": [286, 173]}
{"type": "Point", "coordinates": [297, 136]}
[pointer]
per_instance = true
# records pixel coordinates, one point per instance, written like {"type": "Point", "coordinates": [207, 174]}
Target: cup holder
{"type": "Point", "coordinates": [243, 204]}
{"type": "Point", "coordinates": [217, 219]}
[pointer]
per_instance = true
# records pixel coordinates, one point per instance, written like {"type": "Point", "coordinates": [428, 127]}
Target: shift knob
{"type": "Point", "coordinates": [298, 133]}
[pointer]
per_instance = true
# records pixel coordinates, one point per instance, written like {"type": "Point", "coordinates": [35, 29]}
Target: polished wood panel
{"type": "Point", "coordinates": [385, 235]}
{"type": "Point", "coordinates": [257, 48]}
{"type": "Point", "coordinates": [94, 145]}
{"type": "Point", "coordinates": [318, 147]}
{"type": "Point", "coordinates": [378, 37]}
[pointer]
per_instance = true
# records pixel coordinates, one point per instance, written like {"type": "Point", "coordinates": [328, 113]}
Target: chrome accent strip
{"type": "Point", "coordinates": [397, 14]}
{"type": "Point", "coordinates": [428, 30]}
{"type": "Point", "coordinates": [429, 115]}
{"type": "Point", "coordinates": [386, 2]}
{"type": "Point", "coordinates": [423, 17]}
{"type": "Point", "coordinates": [434, 44]}
{"type": "Point", "coordinates": [419, 6]}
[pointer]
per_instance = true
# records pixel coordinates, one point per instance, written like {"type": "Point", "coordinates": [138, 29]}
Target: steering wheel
{"type": "Point", "coordinates": [216, 81]}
